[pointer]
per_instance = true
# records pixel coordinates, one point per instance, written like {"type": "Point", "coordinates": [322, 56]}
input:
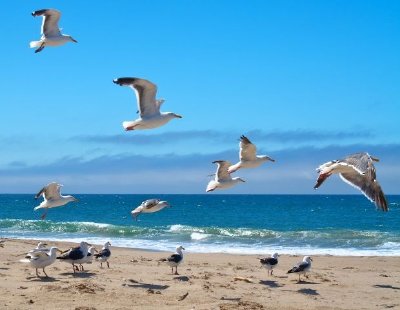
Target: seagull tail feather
{"type": "Point", "coordinates": [34, 44]}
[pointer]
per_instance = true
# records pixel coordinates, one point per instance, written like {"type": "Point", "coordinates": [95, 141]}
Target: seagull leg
{"type": "Point", "coordinates": [172, 270]}
{"type": "Point", "coordinates": [45, 273]}
{"type": "Point", "coordinates": [299, 277]}
{"type": "Point", "coordinates": [176, 270]}
{"type": "Point", "coordinates": [108, 264]}
{"type": "Point", "coordinates": [40, 48]}
{"type": "Point", "coordinates": [80, 265]}
{"type": "Point", "coordinates": [101, 264]}
{"type": "Point", "coordinates": [43, 217]}
{"type": "Point", "coordinates": [271, 271]}
{"type": "Point", "coordinates": [37, 274]}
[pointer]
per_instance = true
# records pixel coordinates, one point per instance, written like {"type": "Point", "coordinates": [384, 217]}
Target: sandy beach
{"type": "Point", "coordinates": [137, 280]}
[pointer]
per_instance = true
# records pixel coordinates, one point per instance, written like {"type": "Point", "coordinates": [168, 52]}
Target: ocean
{"type": "Point", "coordinates": [239, 224]}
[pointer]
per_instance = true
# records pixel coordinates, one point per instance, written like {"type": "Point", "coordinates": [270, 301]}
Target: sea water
{"type": "Point", "coordinates": [245, 224]}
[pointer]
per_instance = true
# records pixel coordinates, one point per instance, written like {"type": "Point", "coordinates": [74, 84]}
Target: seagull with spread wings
{"type": "Point", "coordinates": [358, 170]}
{"type": "Point", "coordinates": [52, 198]}
{"type": "Point", "coordinates": [51, 34]}
{"type": "Point", "coordinates": [148, 105]}
{"type": "Point", "coordinates": [149, 206]}
{"type": "Point", "coordinates": [248, 156]}
{"type": "Point", "coordinates": [222, 178]}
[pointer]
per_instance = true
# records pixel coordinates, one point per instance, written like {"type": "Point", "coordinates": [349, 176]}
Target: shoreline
{"type": "Point", "coordinates": [206, 281]}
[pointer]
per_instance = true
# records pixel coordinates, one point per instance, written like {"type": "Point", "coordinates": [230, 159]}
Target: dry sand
{"type": "Point", "coordinates": [136, 280]}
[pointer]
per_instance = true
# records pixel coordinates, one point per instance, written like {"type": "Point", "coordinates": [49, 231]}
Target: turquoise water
{"type": "Point", "coordinates": [256, 224]}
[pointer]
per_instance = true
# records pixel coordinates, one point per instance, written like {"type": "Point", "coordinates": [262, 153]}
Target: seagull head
{"type": "Point", "coordinates": [307, 259]}
{"type": "Point", "coordinates": [180, 248]}
{"type": "Point", "coordinates": [107, 244]}
{"type": "Point", "coordinates": [164, 204]}
{"type": "Point", "coordinates": [275, 255]}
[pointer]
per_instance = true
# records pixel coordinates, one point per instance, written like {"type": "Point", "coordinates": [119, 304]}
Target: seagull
{"type": "Point", "coordinates": [175, 259]}
{"type": "Point", "coordinates": [104, 254]}
{"type": "Point", "coordinates": [51, 34]}
{"type": "Point", "coordinates": [41, 259]}
{"type": "Point", "coordinates": [149, 206]}
{"type": "Point", "coordinates": [75, 255]}
{"type": "Point", "coordinates": [270, 262]}
{"type": "Point", "coordinates": [88, 258]}
{"type": "Point", "coordinates": [148, 105]}
{"type": "Point", "coordinates": [222, 178]}
{"type": "Point", "coordinates": [302, 267]}
{"type": "Point", "coordinates": [358, 170]}
{"type": "Point", "coordinates": [248, 157]}
{"type": "Point", "coordinates": [52, 198]}
{"type": "Point", "coordinates": [41, 247]}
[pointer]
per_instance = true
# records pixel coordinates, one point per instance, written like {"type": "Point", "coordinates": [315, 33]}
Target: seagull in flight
{"type": "Point", "coordinates": [51, 34]}
{"type": "Point", "coordinates": [148, 105]}
{"type": "Point", "coordinates": [248, 156]}
{"type": "Point", "coordinates": [52, 198]}
{"type": "Point", "coordinates": [222, 178]}
{"type": "Point", "coordinates": [358, 170]}
{"type": "Point", "coordinates": [149, 206]}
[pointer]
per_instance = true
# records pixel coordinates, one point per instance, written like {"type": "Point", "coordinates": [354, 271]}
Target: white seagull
{"type": "Point", "coordinates": [175, 259]}
{"type": "Point", "coordinates": [148, 105]}
{"type": "Point", "coordinates": [248, 156]}
{"type": "Point", "coordinates": [358, 170]}
{"type": "Point", "coordinates": [51, 34]}
{"type": "Point", "coordinates": [302, 267]}
{"type": "Point", "coordinates": [41, 259]}
{"type": "Point", "coordinates": [75, 255]}
{"type": "Point", "coordinates": [52, 198]}
{"type": "Point", "coordinates": [222, 178]}
{"type": "Point", "coordinates": [41, 247]}
{"type": "Point", "coordinates": [104, 254]}
{"type": "Point", "coordinates": [270, 262]}
{"type": "Point", "coordinates": [149, 206]}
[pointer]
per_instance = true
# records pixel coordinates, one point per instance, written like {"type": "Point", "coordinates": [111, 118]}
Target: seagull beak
{"type": "Point", "coordinates": [73, 40]}
{"type": "Point", "coordinates": [58, 250]}
{"type": "Point", "coordinates": [178, 116]}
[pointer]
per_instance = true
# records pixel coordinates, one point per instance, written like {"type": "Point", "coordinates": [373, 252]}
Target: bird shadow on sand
{"type": "Point", "coordinates": [42, 279]}
{"type": "Point", "coordinates": [387, 286]}
{"type": "Point", "coordinates": [182, 278]}
{"type": "Point", "coordinates": [308, 291]}
{"type": "Point", "coordinates": [136, 284]}
{"type": "Point", "coordinates": [306, 282]}
{"type": "Point", "coordinates": [4, 268]}
{"type": "Point", "coordinates": [79, 274]}
{"type": "Point", "coordinates": [270, 283]}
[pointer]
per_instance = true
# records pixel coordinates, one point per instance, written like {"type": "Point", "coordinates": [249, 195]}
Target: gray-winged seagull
{"type": "Point", "coordinates": [51, 34]}
{"type": "Point", "coordinates": [75, 255]}
{"type": "Point", "coordinates": [149, 206]}
{"type": "Point", "coordinates": [358, 170]}
{"type": "Point", "coordinates": [149, 106]}
{"type": "Point", "coordinates": [248, 156]}
{"type": "Point", "coordinates": [41, 259]}
{"type": "Point", "coordinates": [222, 178]}
{"type": "Point", "coordinates": [104, 254]}
{"type": "Point", "coordinates": [52, 198]}
{"type": "Point", "coordinates": [302, 267]}
{"type": "Point", "coordinates": [175, 259]}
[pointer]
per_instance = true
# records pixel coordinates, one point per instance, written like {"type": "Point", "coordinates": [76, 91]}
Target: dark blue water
{"type": "Point", "coordinates": [341, 225]}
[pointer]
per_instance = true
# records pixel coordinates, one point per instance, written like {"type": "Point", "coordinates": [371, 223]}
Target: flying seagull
{"type": "Point", "coordinates": [222, 178]}
{"type": "Point", "coordinates": [248, 156]}
{"type": "Point", "coordinates": [52, 198]}
{"type": "Point", "coordinates": [175, 259]}
{"type": "Point", "coordinates": [41, 259]}
{"type": "Point", "coordinates": [358, 170]}
{"type": "Point", "coordinates": [51, 34]}
{"type": "Point", "coordinates": [148, 105]}
{"type": "Point", "coordinates": [104, 255]}
{"type": "Point", "coordinates": [302, 267]}
{"type": "Point", "coordinates": [270, 262]}
{"type": "Point", "coordinates": [149, 206]}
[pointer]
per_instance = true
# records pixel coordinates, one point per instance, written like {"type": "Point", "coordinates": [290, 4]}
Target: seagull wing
{"type": "Point", "coordinates": [247, 149]}
{"type": "Point", "coordinates": [222, 170]}
{"type": "Point", "coordinates": [52, 191]}
{"type": "Point", "coordinates": [145, 95]}
{"type": "Point", "coordinates": [361, 162]}
{"type": "Point", "coordinates": [369, 187]}
{"type": "Point", "coordinates": [299, 267]}
{"type": "Point", "coordinates": [50, 21]}
{"type": "Point", "coordinates": [151, 203]}
{"type": "Point", "coordinates": [176, 258]}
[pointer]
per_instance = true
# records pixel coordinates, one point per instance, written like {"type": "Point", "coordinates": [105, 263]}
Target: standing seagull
{"type": "Point", "coordinates": [175, 259]}
{"type": "Point", "coordinates": [51, 34]}
{"type": "Point", "coordinates": [89, 257]}
{"type": "Point", "coordinates": [41, 259]}
{"type": "Point", "coordinates": [222, 178]}
{"type": "Point", "coordinates": [148, 105]}
{"type": "Point", "coordinates": [75, 255]}
{"type": "Point", "coordinates": [248, 157]}
{"type": "Point", "coordinates": [302, 267]}
{"type": "Point", "coordinates": [270, 262]}
{"type": "Point", "coordinates": [358, 170]}
{"type": "Point", "coordinates": [52, 198]}
{"type": "Point", "coordinates": [149, 206]}
{"type": "Point", "coordinates": [104, 254]}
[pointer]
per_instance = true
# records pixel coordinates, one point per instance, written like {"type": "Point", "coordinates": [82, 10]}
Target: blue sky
{"type": "Point", "coordinates": [306, 81]}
